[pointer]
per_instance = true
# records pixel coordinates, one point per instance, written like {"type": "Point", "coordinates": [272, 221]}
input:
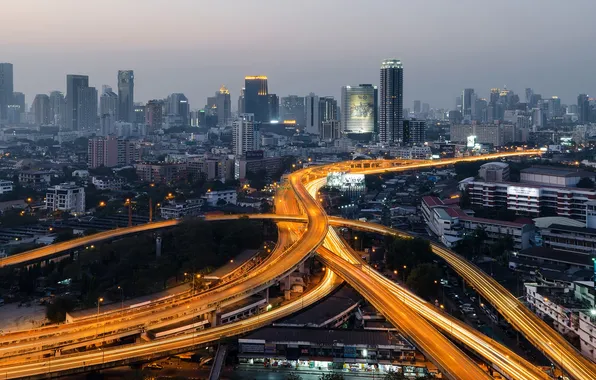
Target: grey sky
{"type": "Point", "coordinates": [194, 46]}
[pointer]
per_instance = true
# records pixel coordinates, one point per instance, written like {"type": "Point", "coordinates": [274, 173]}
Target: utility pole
{"type": "Point", "coordinates": [150, 210]}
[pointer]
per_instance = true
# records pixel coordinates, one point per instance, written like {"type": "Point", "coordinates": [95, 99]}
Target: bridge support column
{"type": "Point", "coordinates": [213, 318]}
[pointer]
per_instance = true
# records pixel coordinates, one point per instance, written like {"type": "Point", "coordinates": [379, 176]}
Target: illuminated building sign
{"type": "Point", "coordinates": [471, 141]}
{"type": "Point", "coordinates": [523, 191]}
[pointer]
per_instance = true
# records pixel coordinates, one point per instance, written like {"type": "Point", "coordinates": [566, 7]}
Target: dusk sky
{"type": "Point", "coordinates": [195, 46]}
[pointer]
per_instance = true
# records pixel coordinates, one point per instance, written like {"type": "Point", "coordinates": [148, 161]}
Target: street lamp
{"type": "Point", "coordinates": [99, 301]}
{"type": "Point", "coordinates": [121, 297]}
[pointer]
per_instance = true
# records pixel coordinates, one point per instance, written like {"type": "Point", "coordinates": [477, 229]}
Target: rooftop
{"type": "Point", "coordinates": [547, 221]}
{"type": "Point", "coordinates": [557, 172]}
{"type": "Point", "coordinates": [548, 253]}
{"type": "Point", "coordinates": [501, 165]}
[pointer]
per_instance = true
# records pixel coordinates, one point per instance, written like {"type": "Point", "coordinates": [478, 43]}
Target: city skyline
{"type": "Point", "coordinates": [462, 49]}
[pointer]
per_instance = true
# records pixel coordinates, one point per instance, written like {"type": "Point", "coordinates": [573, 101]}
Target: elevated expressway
{"type": "Point", "coordinates": [315, 233]}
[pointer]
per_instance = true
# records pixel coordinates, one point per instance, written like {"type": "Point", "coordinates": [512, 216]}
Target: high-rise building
{"type": "Point", "coordinates": [583, 108]}
{"type": "Point", "coordinates": [330, 130]}
{"type": "Point", "coordinates": [18, 101]}
{"type": "Point", "coordinates": [108, 103]}
{"type": "Point", "coordinates": [292, 108]}
{"type": "Point", "coordinates": [467, 102]}
{"type": "Point", "coordinates": [246, 137]}
{"type": "Point", "coordinates": [241, 101]}
{"type": "Point", "coordinates": [126, 91]}
{"type": "Point", "coordinates": [73, 84]}
{"type": "Point", "coordinates": [359, 111]}
{"type": "Point", "coordinates": [87, 109]}
{"type": "Point", "coordinates": [273, 108]}
{"type": "Point", "coordinates": [313, 120]}
{"type": "Point", "coordinates": [327, 109]}
{"type": "Point", "coordinates": [529, 95]}
{"type": "Point", "coordinates": [41, 109]}
{"type": "Point", "coordinates": [111, 151]}
{"type": "Point", "coordinates": [57, 108]}
{"type": "Point", "coordinates": [414, 132]}
{"type": "Point", "coordinates": [417, 108]}
{"type": "Point", "coordinates": [154, 115]}
{"type": "Point", "coordinates": [223, 103]}
{"type": "Point", "coordinates": [391, 101]}
{"type": "Point", "coordinates": [554, 107]}
{"type": "Point", "coordinates": [6, 89]}
{"type": "Point", "coordinates": [139, 114]}
{"type": "Point", "coordinates": [256, 97]}
{"type": "Point", "coordinates": [178, 106]}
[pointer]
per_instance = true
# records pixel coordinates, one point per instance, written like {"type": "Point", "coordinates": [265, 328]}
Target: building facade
{"type": "Point", "coordinates": [391, 102]}
{"type": "Point", "coordinates": [87, 109]}
{"type": "Point", "coordinates": [359, 111]}
{"type": "Point", "coordinates": [126, 91]}
{"type": "Point", "coordinates": [73, 84]}
{"type": "Point", "coordinates": [223, 102]}
{"type": "Point", "coordinates": [41, 109]}
{"type": "Point", "coordinates": [6, 89]}
{"type": "Point", "coordinates": [414, 132]}
{"type": "Point", "coordinates": [67, 197]}
{"type": "Point", "coordinates": [245, 137]}
{"type": "Point", "coordinates": [256, 97]}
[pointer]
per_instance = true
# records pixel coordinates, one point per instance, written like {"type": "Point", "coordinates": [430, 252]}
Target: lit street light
{"type": "Point", "coordinates": [99, 301]}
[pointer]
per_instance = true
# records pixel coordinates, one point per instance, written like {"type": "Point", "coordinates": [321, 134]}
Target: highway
{"type": "Point", "coordinates": [144, 350]}
{"type": "Point", "coordinates": [524, 320]}
{"type": "Point", "coordinates": [503, 358]}
{"type": "Point", "coordinates": [316, 232]}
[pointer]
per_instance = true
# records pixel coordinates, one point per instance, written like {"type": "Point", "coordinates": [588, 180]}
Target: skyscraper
{"type": "Point", "coordinates": [126, 91]}
{"type": "Point", "coordinates": [391, 101]}
{"type": "Point", "coordinates": [414, 132]}
{"type": "Point", "coordinates": [273, 108]}
{"type": "Point", "coordinates": [327, 109]}
{"type": "Point", "coordinates": [241, 101]}
{"type": "Point", "coordinates": [583, 108]}
{"type": "Point", "coordinates": [359, 111]}
{"type": "Point", "coordinates": [178, 106]}
{"type": "Point", "coordinates": [108, 103]}
{"type": "Point", "coordinates": [245, 139]}
{"type": "Point", "coordinates": [73, 84]}
{"type": "Point", "coordinates": [467, 102]}
{"type": "Point", "coordinates": [41, 109]}
{"type": "Point", "coordinates": [57, 108]}
{"type": "Point", "coordinates": [311, 104]}
{"type": "Point", "coordinates": [154, 115]}
{"type": "Point", "coordinates": [87, 109]}
{"type": "Point", "coordinates": [6, 88]}
{"type": "Point", "coordinates": [224, 106]}
{"type": "Point", "coordinates": [292, 108]}
{"type": "Point", "coordinates": [417, 108]}
{"type": "Point", "coordinates": [256, 97]}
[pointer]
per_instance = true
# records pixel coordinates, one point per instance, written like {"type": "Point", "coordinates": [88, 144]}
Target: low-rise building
{"type": "Point", "coordinates": [245, 165]}
{"type": "Point", "coordinates": [446, 220]}
{"type": "Point", "coordinates": [177, 210]}
{"type": "Point", "coordinates": [570, 309]}
{"type": "Point", "coordinates": [213, 197]}
{"type": "Point", "coordinates": [161, 173]}
{"type": "Point", "coordinates": [35, 178]}
{"type": "Point", "coordinates": [494, 172]}
{"type": "Point", "coordinates": [6, 186]}
{"type": "Point", "coordinates": [67, 197]}
{"type": "Point", "coordinates": [108, 183]}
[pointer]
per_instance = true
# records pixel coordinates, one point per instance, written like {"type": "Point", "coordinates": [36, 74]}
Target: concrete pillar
{"type": "Point", "coordinates": [213, 318]}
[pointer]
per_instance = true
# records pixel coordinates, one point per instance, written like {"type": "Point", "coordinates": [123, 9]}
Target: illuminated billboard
{"type": "Point", "coordinates": [523, 191]}
{"type": "Point", "coordinates": [471, 141]}
{"type": "Point", "coordinates": [346, 182]}
{"type": "Point", "coordinates": [358, 108]}
{"type": "Point", "coordinates": [362, 107]}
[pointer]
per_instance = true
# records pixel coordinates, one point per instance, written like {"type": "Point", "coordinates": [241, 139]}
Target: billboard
{"type": "Point", "coordinates": [471, 141]}
{"type": "Point", "coordinates": [345, 180]}
{"type": "Point", "coordinates": [523, 191]}
{"type": "Point", "coordinates": [362, 107]}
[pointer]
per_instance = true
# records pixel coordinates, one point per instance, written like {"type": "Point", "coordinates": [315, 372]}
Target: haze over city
{"type": "Point", "coordinates": [195, 46]}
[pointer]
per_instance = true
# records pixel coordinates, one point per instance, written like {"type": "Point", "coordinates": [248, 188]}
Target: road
{"type": "Point", "coordinates": [316, 231]}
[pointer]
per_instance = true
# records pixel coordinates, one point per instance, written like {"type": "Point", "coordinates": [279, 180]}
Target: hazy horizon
{"type": "Point", "coordinates": [315, 46]}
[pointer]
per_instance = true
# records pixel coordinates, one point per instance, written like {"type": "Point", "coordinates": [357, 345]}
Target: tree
{"type": "Point", "coordinates": [331, 376]}
{"type": "Point", "coordinates": [393, 375]}
{"type": "Point", "coordinates": [422, 280]}
{"type": "Point", "coordinates": [585, 183]}
{"type": "Point", "coordinates": [56, 311]}
{"type": "Point", "coordinates": [64, 236]}
{"type": "Point", "coordinates": [221, 202]}
{"type": "Point", "coordinates": [129, 174]}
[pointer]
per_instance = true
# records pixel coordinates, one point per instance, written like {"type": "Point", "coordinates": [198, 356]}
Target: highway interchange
{"type": "Point", "coordinates": [389, 298]}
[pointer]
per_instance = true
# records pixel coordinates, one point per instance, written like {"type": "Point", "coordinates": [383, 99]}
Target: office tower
{"type": "Point", "coordinates": [330, 130]}
{"type": "Point", "coordinates": [417, 108]}
{"type": "Point", "coordinates": [467, 100]}
{"type": "Point", "coordinates": [154, 115]}
{"type": "Point", "coordinates": [73, 84]}
{"type": "Point", "coordinates": [359, 111]}
{"type": "Point", "coordinates": [178, 106]}
{"type": "Point", "coordinates": [18, 100]}
{"type": "Point", "coordinates": [458, 103]}
{"type": "Point", "coordinates": [327, 109]}
{"type": "Point", "coordinates": [126, 92]}
{"type": "Point", "coordinates": [391, 101]}
{"type": "Point", "coordinates": [245, 137]}
{"type": "Point", "coordinates": [529, 95]}
{"type": "Point", "coordinates": [6, 89]}
{"type": "Point", "coordinates": [109, 103]}
{"type": "Point", "coordinates": [86, 109]}
{"type": "Point", "coordinates": [139, 114]}
{"type": "Point", "coordinates": [425, 108]}
{"type": "Point", "coordinates": [414, 132]}
{"type": "Point", "coordinates": [41, 109]}
{"type": "Point", "coordinates": [480, 110]}
{"type": "Point", "coordinates": [554, 107]}
{"type": "Point", "coordinates": [312, 114]}
{"type": "Point", "coordinates": [273, 108]}
{"type": "Point", "coordinates": [102, 151]}
{"type": "Point", "coordinates": [256, 97]}
{"type": "Point", "coordinates": [57, 108]}
{"type": "Point", "coordinates": [241, 101]}
{"type": "Point", "coordinates": [223, 102]}
{"type": "Point", "coordinates": [583, 108]}
{"type": "Point", "coordinates": [292, 108]}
